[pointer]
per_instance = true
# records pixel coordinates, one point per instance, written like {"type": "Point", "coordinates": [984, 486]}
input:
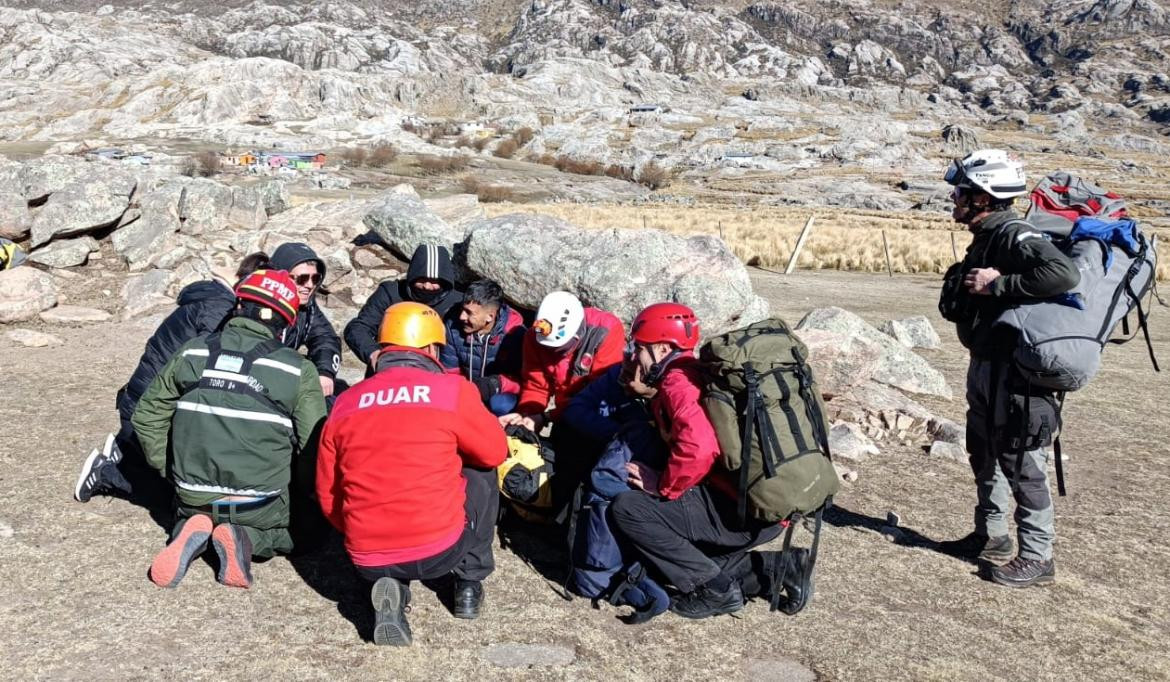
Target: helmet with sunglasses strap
{"type": "Point", "coordinates": [993, 171]}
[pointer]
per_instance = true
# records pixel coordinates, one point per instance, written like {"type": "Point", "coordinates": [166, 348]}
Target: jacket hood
{"type": "Point", "coordinates": [433, 262]}
{"type": "Point", "coordinates": [205, 290]}
{"type": "Point", "coordinates": [289, 255]}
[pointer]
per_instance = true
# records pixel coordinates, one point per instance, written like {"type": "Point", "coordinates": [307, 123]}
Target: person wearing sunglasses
{"type": "Point", "coordinates": [1008, 262]}
{"type": "Point", "coordinates": [312, 328]}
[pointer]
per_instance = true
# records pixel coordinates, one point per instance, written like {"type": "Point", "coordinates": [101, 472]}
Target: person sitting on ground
{"type": "Point", "coordinates": [232, 421]}
{"type": "Point", "coordinates": [312, 328]}
{"type": "Point", "coordinates": [566, 348]}
{"type": "Point", "coordinates": [120, 467]}
{"type": "Point", "coordinates": [670, 520]}
{"type": "Point", "coordinates": [430, 280]}
{"type": "Point", "coordinates": [485, 343]}
{"type": "Point", "coordinates": [406, 472]}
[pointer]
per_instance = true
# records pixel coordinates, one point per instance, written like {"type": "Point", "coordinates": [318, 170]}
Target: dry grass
{"type": "Point", "coordinates": [435, 165]}
{"type": "Point", "coordinates": [488, 192]}
{"type": "Point", "coordinates": [654, 176]}
{"type": "Point", "coordinates": [765, 236]}
{"type": "Point", "coordinates": [506, 148]}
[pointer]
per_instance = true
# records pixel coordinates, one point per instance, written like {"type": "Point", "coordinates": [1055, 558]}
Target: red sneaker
{"type": "Point", "coordinates": [169, 567]}
{"type": "Point", "coordinates": [234, 548]}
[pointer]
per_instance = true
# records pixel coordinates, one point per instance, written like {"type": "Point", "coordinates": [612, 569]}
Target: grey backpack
{"type": "Point", "coordinates": [1061, 339]}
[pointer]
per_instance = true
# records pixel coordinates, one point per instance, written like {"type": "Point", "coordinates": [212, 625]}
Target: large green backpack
{"type": "Point", "coordinates": [766, 408]}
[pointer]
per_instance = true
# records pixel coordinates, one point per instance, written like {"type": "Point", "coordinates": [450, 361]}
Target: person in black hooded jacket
{"type": "Point", "coordinates": [203, 308]}
{"type": "Point", "coordinates": [430, 280]}
{"type": "Point", "coordinates": [312, 328]}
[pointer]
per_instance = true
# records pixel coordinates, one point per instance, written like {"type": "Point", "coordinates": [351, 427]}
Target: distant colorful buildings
{"type": "Point", "coordinates": [273, 160]}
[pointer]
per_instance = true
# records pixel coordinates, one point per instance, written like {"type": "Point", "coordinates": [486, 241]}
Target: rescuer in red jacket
{"type": "Point", "coordinates": [689, 532]}
{"type": "Point", "coordinates": [405, 471]}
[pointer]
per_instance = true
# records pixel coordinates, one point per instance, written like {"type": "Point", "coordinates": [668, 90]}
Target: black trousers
{"type": "Point", "coordinates": [691, 539]}
{"type": "Point", "coordinates": [470, 558]}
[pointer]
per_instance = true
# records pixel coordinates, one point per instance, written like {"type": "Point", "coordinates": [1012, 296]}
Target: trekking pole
{"type": "Point", "coordinates": [886, 245]}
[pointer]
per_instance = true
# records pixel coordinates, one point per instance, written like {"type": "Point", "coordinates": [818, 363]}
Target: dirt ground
{"type": "Point", "coordinates": [75, 601]}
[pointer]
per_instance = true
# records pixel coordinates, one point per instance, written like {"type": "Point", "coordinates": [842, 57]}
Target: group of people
{"type": "Point", "coordinates": [257, 445]}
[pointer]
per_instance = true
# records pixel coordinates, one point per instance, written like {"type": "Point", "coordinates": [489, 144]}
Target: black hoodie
{"type": "Point", "coordinates": [312, 328]}
{"type": "Point", "coordinates": [361, 334]}
{"type": "Point", "coordinates": [203, 307]}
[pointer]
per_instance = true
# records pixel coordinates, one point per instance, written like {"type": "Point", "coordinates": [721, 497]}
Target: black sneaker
{"type": "Point", "coordinates": [468, 599]}
{"type": "Point", "coordinates": [92, 480]}
{"type": "Point", "coordinates": [974, 546]}
{"type": "Point", "coordinates": [797, 588]}
{"type": "Point", "coordinates": [391, 600]}
{"type": "Point", "coordinates": [1021, 572]}
{"type": "Point", "coordinates": [705, 602]}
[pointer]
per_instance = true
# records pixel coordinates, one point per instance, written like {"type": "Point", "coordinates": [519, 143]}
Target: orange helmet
{"type": "Point", "coordinates": [413, 325]}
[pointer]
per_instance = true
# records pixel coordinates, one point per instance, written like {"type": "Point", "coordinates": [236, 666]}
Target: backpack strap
{"type": "Point", "coordinates": [590, 341]}
{"type": "Point", "coordinates": [1056, 451]}
{"type": "Point", "coordinates": [746, 436]}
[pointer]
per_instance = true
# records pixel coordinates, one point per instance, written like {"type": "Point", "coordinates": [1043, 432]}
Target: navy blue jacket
{"type": "Point", "coordinates": [497, 353]}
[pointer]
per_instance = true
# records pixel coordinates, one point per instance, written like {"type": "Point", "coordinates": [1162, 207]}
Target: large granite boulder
{"type": "Point", "coordinates": [97, 202]}
{"type": "Point", "coordinates": [65, 253]}
{"type": "Point", "coordinates": [617, 270]}
{"type": "Point", "coordinates": [403, 221]}
{"type": "Point", "coordinates": [24, 292]}
{"type": "Point", "coordinates": [14, 215]}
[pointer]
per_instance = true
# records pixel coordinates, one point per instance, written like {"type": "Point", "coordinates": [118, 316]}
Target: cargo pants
{"type": "Point", "coordinates": [991, 423]}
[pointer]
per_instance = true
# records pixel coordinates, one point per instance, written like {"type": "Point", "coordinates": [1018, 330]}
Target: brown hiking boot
{"type": "Point", "coordinates": [1021, 572]}
{"type": "Point", "coordinates": [976, 546]}
{"type": "Point", "coordinates": [234, 548]}
{"type": "Point", "coordinates": [169, 567]}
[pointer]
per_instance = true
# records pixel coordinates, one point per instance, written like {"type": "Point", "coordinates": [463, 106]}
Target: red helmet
{"type": "Point", "coordinates": [672, 323]}
{"type": "Point", "coordinates": [274, 289]}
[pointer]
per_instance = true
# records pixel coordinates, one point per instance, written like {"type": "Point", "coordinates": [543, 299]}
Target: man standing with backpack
{"type": "Point", "coordinates": [1009, 422]}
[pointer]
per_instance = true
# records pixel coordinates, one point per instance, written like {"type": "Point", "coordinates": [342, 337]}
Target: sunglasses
{"type": "Point", "coordinates": [304, 279]}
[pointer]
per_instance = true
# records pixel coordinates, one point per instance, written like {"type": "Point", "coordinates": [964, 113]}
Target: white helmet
{"type": "Point", "coordinates": [558, 319]}
{"type": "Point", "coordinates": [992, 170]}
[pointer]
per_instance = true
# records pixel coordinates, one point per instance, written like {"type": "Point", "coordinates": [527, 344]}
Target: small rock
{"type": "Point", "coordinates": [513, 655]}
{"type": "Point", "coordinates": [848, 441]}
{"type": "Point", "coordinates": [777, 670]}
{"type": "Point", "coordinates": [892, 533]}
{"type": "Point", "coordinates": [5, 531]}
{"type": "Point", "coordinates": [893, 519]}
{"type": "Point", "coordinates": [948, 451]}
{"type": "Point", "coordinates": [913, 332]}
{"type": "Point", "coordinates": [24, 292]}
{"type": "Point", "coordinates": [65, 253]}
{"type": "Point", "coordinates": [367, 258]}
{"type": "Point", "coordinates": [72, 314]}
{"type": "Point", "coordinates": [31, 339]}
{"type": "Point", "coordinates": [845, 473]}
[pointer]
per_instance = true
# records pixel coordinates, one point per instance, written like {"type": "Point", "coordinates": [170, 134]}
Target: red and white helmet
{"type": "Point", "coordinates": [274, 289]}
{"type": "Point", "coordinates": [672, 323]}
{"type": "Point", "coordinates": [994, 171]}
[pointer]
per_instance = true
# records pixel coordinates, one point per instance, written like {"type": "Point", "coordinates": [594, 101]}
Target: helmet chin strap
{"type": "Point", "coordinates": [658, 369]}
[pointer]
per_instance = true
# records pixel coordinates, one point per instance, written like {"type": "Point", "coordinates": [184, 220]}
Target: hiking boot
{"type": "Point", "coordinates": [1021, 572]}
{"type": "Point", "coordinates": [973, 546]}
{"type": "Point", "coordinates": [169, 567]}
{"type": "Point", "coordinates": [705, 602]}
{"type": "Point", "coordinates": [234, 548]}
{"type": "Point", "coordinates": [468, 599]}
{"type": "Point", "coordinates": [797, 582]}
{"type": "Point", "coordinates": [391, 601]}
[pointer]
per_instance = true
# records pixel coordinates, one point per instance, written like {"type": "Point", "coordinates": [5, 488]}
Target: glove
{"type": "Point", "coordinates": [488, 387]}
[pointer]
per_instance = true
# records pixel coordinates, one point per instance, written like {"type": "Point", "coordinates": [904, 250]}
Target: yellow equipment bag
{"type": "Point", "coordinates": [524, 476]}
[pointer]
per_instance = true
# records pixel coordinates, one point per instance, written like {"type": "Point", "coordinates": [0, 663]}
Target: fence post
{"type": "Point", "coordinates": [954, 249]}
{"type": "Point", "coordinates": [886, 246]}
{"type": "Point", "coordinates": [799, 245]}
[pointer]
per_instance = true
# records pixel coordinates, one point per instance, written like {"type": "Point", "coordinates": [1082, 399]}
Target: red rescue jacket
{"type": "Point", "coordinates": [388, 467]}
{"type": "Point", "coordinates": [685, 427]}
{"type": "Point", "coordinates": [548, 373]}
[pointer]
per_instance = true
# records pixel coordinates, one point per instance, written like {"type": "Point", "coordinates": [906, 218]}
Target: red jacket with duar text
{"type": "Point", "coordinates": [390, 459]}
{"type": "Point", "coordinates": [547, 372]}
{"type": "Point", "coordinates": [685, 427]}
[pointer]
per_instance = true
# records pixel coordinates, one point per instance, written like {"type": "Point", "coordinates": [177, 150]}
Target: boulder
{"type": "Point", "coordinates": [14, 216]}
{"type": "Point", "coordinates": [145, 292]}
{"type": "Point", "coordinates": [839, 362]}
{"type": "Point", "coordinates": [41, 177]}
{"type": "Point", "coordinates": [66, 253]}
{"type": "Point", "coordinates": [31, 339]}
{"type": "Point", "coordinates": [620, 270]}
{"type": "Point", "coordinates": [959, 140]}
{"type": "Point", "coordinates": [897, 366]}
{"type": "Point", "coordinates": [402, 221]}
{"type": "Point", "coordinates": [457, 209]}
{"type": "Point", "coordinates": [848, 441]}
{"type": "Point", "coordinates": [248, 210]}
{"type": "Point", "coordinates": [913, 332]}
{"type": "Point", "coordinates": [83, 207]}
{"type": "Point", "coordinates": [947, 450]}
{"type": "Point", "coordinates": [275, 196]}
{"type": "Point", "coordinates": [146, 225]}
{"type": "Point", "coordinates": [24, 292]}
{"type": "Point", "coordinates": [72, 314]}
{"type": "Point", "coordinates": [203, 206]}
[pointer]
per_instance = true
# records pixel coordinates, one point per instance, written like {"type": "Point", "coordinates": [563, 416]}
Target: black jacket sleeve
{"type": "Point", "coordinates": [361, 334]}
{"type": "Point", "coordinates": [324, 348]}
{"type": "Point", "coordinates": [1040, 270]}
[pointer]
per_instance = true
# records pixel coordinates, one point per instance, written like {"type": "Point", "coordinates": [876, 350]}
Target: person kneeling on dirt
{"type": "Point", "coordinates": [672, 521]}
{"type": "Point", "coordinates": [233, 420]}
{"type": "Point", "coordinates": [406, 473]}
{"type": "Point", "coordinates": [485, 343]}
{"type": "Point", "coordinates": [1008, 261]}
{"type": "Point", "coordinates": [120, 466]}
{"type": "Point", "coordinates": [567, 347]}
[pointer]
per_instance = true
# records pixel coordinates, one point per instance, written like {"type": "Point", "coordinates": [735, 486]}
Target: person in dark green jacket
{"type": "Point", "coordinates": [232, 421]}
